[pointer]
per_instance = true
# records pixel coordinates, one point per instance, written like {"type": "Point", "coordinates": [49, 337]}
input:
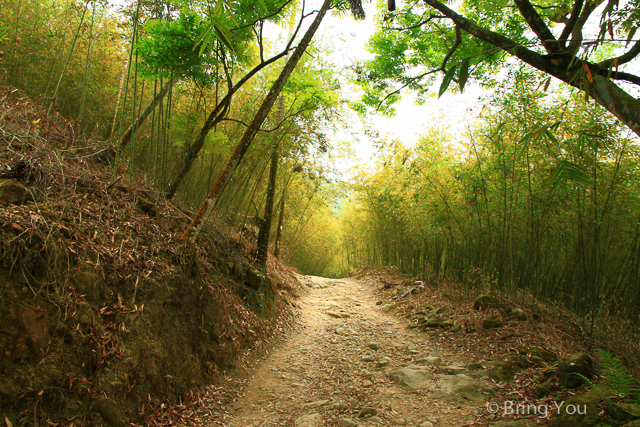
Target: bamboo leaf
{"type": "Point", "coordinates": [632, 32]}
{"type": "Point", "coordinates": [447, 80]}
{"type": "Point", "coordinates": [463, 76]}
{"type": "Point", "coordinates": [547, 83]}
{"type": "Point", "coordinates": [524, 143]}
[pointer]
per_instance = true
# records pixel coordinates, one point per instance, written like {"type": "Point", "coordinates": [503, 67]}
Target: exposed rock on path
{"type": "Point", "coordinates": [362, 367]}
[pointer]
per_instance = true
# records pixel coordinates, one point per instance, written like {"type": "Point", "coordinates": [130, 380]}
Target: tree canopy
{"type": "Point", "coordinates": [586, 44]}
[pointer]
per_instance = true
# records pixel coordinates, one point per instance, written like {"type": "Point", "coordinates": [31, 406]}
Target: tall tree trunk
{"type": "Point", "coordinates": [126, 136]}
{"type": "Point", "coordinates": [265, 227]}
{"type": "Point", "coordinates": [207, 207]}
{"type": "Point", "coordinates": [276, 251]}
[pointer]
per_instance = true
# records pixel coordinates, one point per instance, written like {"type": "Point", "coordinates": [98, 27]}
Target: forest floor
{"type": "Point", "coordinates": [353, 361]}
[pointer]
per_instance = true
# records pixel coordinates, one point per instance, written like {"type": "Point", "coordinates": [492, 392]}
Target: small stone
{"type": "Point", "coordinates": [382, 362]}
{"type": "Point", "coordinates": [430, 360]}
{"type": "Point", "coordinates": [368, 410]}
{"type": "Point", "coordinates": [375, 419]}
{"type": "Point", "coordinates": [84, 320]}
{"type": "Point", "coordinates": [338, 314]}
{"type": "Point", "coordinates": [453, 370]}
{"type": "Point", "coordinates": [369, 358]}
{"type": "Point", "coordinates": [311, 420]}
{"type": "Point", "coordinates": [345, 422]}
{"type": "Point", "coordinates": [519, 315]}
{"type": "Point", "coordinates": [474, 366]}
{"type": "Point", "coordinates": [426, 424]}
{"type": "Point", "coordinates": [373, 346]}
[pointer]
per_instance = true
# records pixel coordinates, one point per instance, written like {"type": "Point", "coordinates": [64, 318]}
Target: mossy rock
{"type": "Point", "coordinates": [437, 323]}
{"type": "Point", "coordinates": [504, 371]}
{"type": "Point", "coordinates": [581, 411]}
{"type": "Point", "coordinates": [543, 354]}
{"type": "Point", "coordinates": [12, 192]}
{"type": "Point", "coordinates": [485, 301]}
{"type": "Point", "coordinates": [541, 391]}
{"type": "Point", "coordinates": [572, 368]}
{"type": "Point", "coordinates": [520, 360]}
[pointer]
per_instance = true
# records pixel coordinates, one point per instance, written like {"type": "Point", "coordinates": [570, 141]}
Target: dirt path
{"type": "Point", "coordinates": [350, 364]}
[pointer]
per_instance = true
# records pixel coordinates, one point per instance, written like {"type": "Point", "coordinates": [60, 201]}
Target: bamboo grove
{"type": "Point", "coordinates": [540, 198]}
{"type": "Point", "coordinates": [161, 107]}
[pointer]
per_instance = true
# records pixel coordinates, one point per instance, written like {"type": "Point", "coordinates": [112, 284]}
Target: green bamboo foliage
{"type": "Point", "coordinates": [542, 199]}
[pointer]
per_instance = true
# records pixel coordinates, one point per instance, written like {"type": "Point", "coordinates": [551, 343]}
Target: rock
{"type": "Point", "coordinates": [373, 346]}
{"type": "Point", "coordinates": [503, 371]}
{"type": "Point", "coordinates": [108, 410]}
{"type": "Point", "coordinates": [570, 366]}
{"type": "Point", "coordinates": [579, 411]}
{"type": "Point", "coordinates": [618, 413]}
{"type": "Point", "coordinates": [346, 332]}
{"type": "Point", "coordinates": [412, 376]}
{"type": "Point", "coordinates": [375, 419]}
{"type": "Point", "coordinates": [338, 314]}
{"type": "Point", "coordinates": [520, 360]}
{"type": "Point", "coordinates": [450, 384]}
{"type": "Point", "coordinates": [369, 358]}
{"type": "Point", "coordinates": [491, 323]}
{"type": "Point", "coordinates": [437, 323]}
{"type": "Point", "coordinates": [426, 424]}
{"type": "Point", "coordinates": [317, 403]}
{"type": "Point", "coordinates": [382, 362]}
{"type": "Point", "coordinates": [13, 193]}
{"type": "Point", "coordinates": [339, 406]}
{"type": "Point", "coordinates": [453, 370]}
{"type": "Point", "coordinates": [368, 410]}
{"type": "Point", "coordinates": [543, 354]}
{"type": "Point", "coordinates": [311, 420]}
{"type": "Point", "coordinates": [541, 391]}
{"type": "Point", "coordinates": [430, 360]}
{"type": "Point", "coordinates": [345, 422]}
{"type": "Point", "coordinates": [474, 366]}
{"type": "Point", "coordinates": [485, 301]}
{"type": "Point", "coordinates": [518, 314]}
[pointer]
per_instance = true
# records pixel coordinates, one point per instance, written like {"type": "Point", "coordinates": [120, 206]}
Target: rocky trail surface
{"type": "Point", "coordinates": [350, 364]}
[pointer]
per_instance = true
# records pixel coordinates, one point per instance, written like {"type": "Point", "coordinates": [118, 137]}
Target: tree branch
{"type": "Point", "coordinates": [576, 32]}
{"type": "Point", "coordinates": [538, 26]}
{"type": "Point", "coordinates": [568, 28]}
{"type": "Point", "coordinates": [453, 48]}
{"type": "Point", "coordinates": [623, 59]}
